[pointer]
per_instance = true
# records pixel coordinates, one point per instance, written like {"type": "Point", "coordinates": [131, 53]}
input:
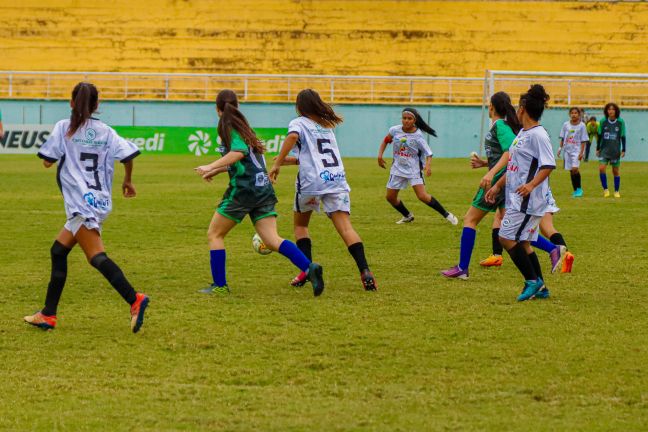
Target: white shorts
{"type": "Point", "coordinates": [519, 226]}
{"type": "Point", "coordinates": [570, 159]}
{"type": "Point", "coordinates": [76, 222]}
{"type": "Point", "coordinates": [398, 182]}
{"type": "Point", "coordinates": [332, 202]}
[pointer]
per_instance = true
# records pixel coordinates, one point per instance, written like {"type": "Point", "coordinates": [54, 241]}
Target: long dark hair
{"type": "Point", "coordinates": [502, 105]}
{"type": "Point", "coordinates": [419, 122]}
{"type": "Point", "coordinates": [617, 110]}
{"type": "Point", "coordinates": [534, 101]}
{"type": "Point", "coordinates": [85, 101]}
{"type": "Point", "coordinates": [232, 118]}
{"type": "Point", "coordinates": [310, 104]}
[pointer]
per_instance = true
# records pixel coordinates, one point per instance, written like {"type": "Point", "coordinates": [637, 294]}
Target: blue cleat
{"type": "Point", "coordinates": [542, 294]}
{"type": "Point", "coordinates": [531, 288]}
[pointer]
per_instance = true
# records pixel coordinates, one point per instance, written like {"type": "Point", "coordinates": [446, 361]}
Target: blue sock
{"type": "Point", "coordinates": [217, 261]}
{"type": "Point", "coordinates": [467, 244]}
{"type": "Point", "coordinates": [617, 183]}
{"type": "Point", "coordinates": [543, 244]}
{"type": "Point", "coordinates": [603, 177]}
{"type": "Point", "coordinates": [292, 252]}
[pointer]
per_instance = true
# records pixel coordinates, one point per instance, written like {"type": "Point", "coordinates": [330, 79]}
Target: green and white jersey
{"type": "Point", "coordinates": [249, 183]}
{"type": "Point", "coordinates": [498, 140]}
{"type": "Point", "coordinates": [610, 134]}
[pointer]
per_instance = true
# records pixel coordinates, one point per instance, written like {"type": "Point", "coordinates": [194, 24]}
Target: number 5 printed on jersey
{"type": "Point", "coordinates": [327, 152]}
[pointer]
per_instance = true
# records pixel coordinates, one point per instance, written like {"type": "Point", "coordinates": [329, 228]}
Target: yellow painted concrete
{"type": "Point", "coordinates": [436, 38]}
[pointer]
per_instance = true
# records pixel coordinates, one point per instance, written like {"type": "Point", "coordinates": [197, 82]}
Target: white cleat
{"type": "Point", "coordinates": [406, 219]}
{"type": "Point", "coordinates": [452, 219]}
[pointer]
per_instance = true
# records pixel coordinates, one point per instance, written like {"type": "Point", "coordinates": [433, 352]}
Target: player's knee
{"type": "Point", "coordinates": [58, 250]}
{"type": "Point", "coordinates": [391, 199]}
{"type": "Point", "coordinates": [97, 260]}
{"type": "Point", "coordinates": [424, 197]}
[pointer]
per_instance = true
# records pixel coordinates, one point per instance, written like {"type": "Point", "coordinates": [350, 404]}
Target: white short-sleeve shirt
{"type": "Point", "coordinates": [86, 166]}
{"type": "Point", "coordinates": [573, 136]}
{"type": "Point", "coordinates": [410, 151]}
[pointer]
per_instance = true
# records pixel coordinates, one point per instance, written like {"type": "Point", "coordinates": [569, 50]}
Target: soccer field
{"type": "Point", "coordinates": [422, 353]}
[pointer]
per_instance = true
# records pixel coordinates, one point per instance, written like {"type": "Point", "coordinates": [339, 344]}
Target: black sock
{"type": "Point", "coordinates": [357, 252]}
{"type": "Point", "coordinates": [115, 276]}
{"type": "Point", "coordinates": [573, 180]}
{"type": "Point", "coordinates": [578, 180]}
{"type": "Point", "coordinates": [304, 245]}
{"type": "Point", "coordinates": [59, 255]}
{"type": "Point", "coordinates": [522, 261]}
{"type": "Point", "coordinates": [436, 205]}
{"type": "Point", "coordinates": [536, 264]}
{"type": "Point", "coordinates": [558, 239]}
{"type": "Point", "coordinates": [400, 207]}
{"type": "Point", "coordinates": [497, 246]}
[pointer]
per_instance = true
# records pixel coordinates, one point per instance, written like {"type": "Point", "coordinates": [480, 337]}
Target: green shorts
{"type": "Point", "coordinates": [236, 211]}
{"type": "Point", "coordinates": [479, 201]}
{"type": "Point", "coordinates": [614, 162]}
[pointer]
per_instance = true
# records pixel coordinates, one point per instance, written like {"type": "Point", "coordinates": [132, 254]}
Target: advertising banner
{"type": "Point", "coordinates": [198, 141]}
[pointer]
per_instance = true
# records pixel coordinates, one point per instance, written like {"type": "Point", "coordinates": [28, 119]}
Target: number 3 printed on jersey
{"type": "Point", "coordinates": [327, 152]}
{"type": "Point", "coordinates": [94, 158]}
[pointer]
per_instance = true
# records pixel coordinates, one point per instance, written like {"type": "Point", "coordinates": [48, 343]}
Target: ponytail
{"type": "Point", "coordinates": [232, 118]}
{"type": "Point", "coordinates": [535, 101]}
{"type": "Point", "coordinates": [85, 100]}
{"type": "Point", "coordinates": [419, 122]}
{"type": "Point", "coordinates": [502, 105]}
{"type": "Point", "coordinates": [310, 104]}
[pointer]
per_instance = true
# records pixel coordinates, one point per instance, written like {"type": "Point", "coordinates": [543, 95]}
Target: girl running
{"type": "Point", "coordinates": [85, 149]}
{"type": "Point", "coordinates": [573, 138]}
{"type": "Point", "coordinates": [410, 151]}
{"type": "Point", "coordinates": [249, 193]}
{"type": "Point", "coordinates": [498, 140]}
{"type": "Point", "coordinates": [611, 146]}
{"type": "Point", "coordinates": [320, 179]}
{"type": "Point", "coordinates": [527, 185]}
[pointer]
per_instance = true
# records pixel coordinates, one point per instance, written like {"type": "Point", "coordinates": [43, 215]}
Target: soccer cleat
{"type": "Point", "coordinates": [300, 280]}
{"type": "Point", "coordinates": [452, 219]}
{"type": "Point", "coordinates": [606, 193]}
{"type": "Point", "coordinates": [567, 263]}
{"type": "Point", "coordinates": [492, 261]}
{"type": "Point", "coordinates": [214, 289]}
{"type": "Point", "coordinates": [368, 281]}
{"type": "Point", "coordinates": [557, 255]}
{"type": "Point", "coordinates": [542, 294]}
{"type": "Point", "coordinates": [315, 274]}
{"type": "Point", "coordinates": [455, 273]}
{"type": "Point", "coordinates": [406, 219]}
{"type": "Point", "coordinates": [41, 321]}
{"type": "Point", "coordinates": [137, 311]}
{"type": "Point", "coordinates": [617, 194]}
{"type": "Point", "coordinates": [530, 289]}
{"type": "Point", "coordinates": [578, 193]}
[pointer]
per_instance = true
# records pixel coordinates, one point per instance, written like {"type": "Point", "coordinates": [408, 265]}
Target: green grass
{"type": "Point", "coordinates": [423, 353]}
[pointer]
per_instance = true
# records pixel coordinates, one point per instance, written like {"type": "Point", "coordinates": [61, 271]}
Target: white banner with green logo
{"type": "Point", "coordinates": [198, 141]}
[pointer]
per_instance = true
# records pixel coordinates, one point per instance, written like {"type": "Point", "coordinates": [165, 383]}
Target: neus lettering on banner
{"type": "Point", "coordinates": [24, 139]}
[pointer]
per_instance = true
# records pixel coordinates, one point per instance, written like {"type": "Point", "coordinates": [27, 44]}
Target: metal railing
{"type": "Point", "coordinates": [249, 87]}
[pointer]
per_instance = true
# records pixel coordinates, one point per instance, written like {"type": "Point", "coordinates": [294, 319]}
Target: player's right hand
{"type": "Point", "coordinates": [381, 162]}
{"type": "Point", "coordinates": [273, 174]}
{"type": "Point", "coordinates": [491, 194]}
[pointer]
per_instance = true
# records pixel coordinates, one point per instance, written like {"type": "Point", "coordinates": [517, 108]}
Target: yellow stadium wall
{"type": "Point", "coordinates": [433, 38]}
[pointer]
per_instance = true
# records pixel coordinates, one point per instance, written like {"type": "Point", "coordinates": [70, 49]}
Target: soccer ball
{"type": "Point", "coordinates": [259, 246]}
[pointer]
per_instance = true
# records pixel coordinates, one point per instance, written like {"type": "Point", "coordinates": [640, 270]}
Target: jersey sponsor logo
{"type": "Point", "coordinates": [99, 203]}
{"type": "Point", "coordinates": [262, 180]}
{"type": "Point", "coordinates": [609, 136]}
{"type": "Point", "coordinates": [90, 134]}
{"type": "Point", "coordinates": [330, 177]}
{"type": "Point", "coordinates": [199, 143]}
{"type": "Point", "coordinates": [512, 167]}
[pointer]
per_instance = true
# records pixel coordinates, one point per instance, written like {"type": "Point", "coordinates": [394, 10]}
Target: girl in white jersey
{"type": "Point", "coordinates": [527, 186]}
{"type": "Point", "coordinates": [320, 179]}
{"type": "Point", "coordinates": [573, 137]}
{"type": "Point", "coordinates": [86, 149]}
{"type": "Point", "coordinates": [411, 152]}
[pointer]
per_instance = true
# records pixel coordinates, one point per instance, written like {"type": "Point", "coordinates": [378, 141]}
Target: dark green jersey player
{"type": "Point", "coordinates": [249, 192]}
{"type": "Point", "coordinates": [498, 140]}
{"type": "Point", "coordinates": [611, 146]}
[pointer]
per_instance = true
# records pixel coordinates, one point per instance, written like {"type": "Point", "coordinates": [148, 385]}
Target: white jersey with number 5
{"type": "Point", "coordinates": [320, 166]}
{"type": "Point", "coordinates": [85, 166]}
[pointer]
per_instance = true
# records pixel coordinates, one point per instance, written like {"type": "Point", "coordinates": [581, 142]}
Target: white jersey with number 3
{"type": "Point", "coordinates": [320, 166]}
{"type": "Point", "coordinates": [86, 165]}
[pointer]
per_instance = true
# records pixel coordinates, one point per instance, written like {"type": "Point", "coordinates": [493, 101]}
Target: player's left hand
{"type": "Point", "coordinates": [202, 170]}
{"type": "Point", "coordinates": [128, 190]}
{"type": "Point", "coordinates": [486, 181]}
{"type": "Point", "coordinates": [622, 154]}
{"type": "Point", "coordinates": [580, 156]}
{"type": "Point", "coordinates": [491, 194]}
{"type": "Point", "coordinates": [525, 189]}
{"type": "Point", "coordinates": [428, 171]}
{"type": "Point", "coordinates": [273, 174]}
